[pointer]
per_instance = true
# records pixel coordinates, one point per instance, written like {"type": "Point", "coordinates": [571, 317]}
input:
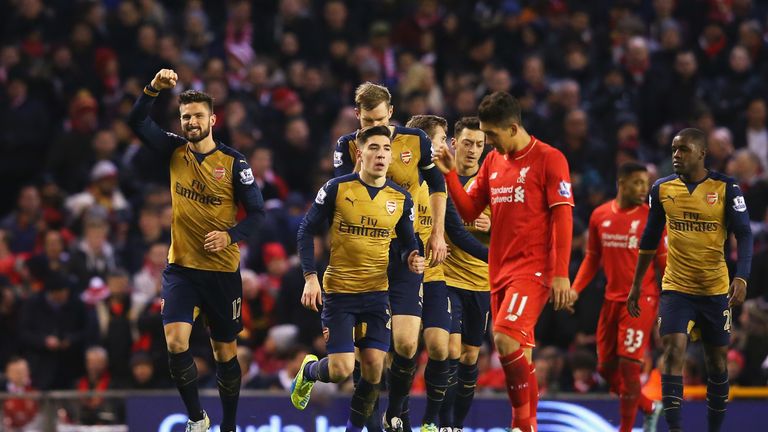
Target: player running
{"type": "Point", "coordinates": [364, 211]}
{"type": "Point", "coordinates": [208, 180]}
{"type": "Point", "coordinates": [614, 236]}
{"type": "Point", "coordinates": [411, 161]}
{"type": "Point", "coordinates": [699, 208]}
{"type": "Point", "coordinates": [527, 185]}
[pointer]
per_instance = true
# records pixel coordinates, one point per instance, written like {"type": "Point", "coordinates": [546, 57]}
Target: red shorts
{"type": "Point", "coordinates": [516, 309]}
{"type": "Point", "coordinates": [619, 334]}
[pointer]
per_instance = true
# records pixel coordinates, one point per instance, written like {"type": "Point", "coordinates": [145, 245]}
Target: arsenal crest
{"type": "Point", "coordinates": [406, 156]}
{"type": "Point", "coordinates": [712, 198]}
{"type": "Point", "coordinates": [218, 173]}
{"type": "Point", "coordinates": [391, 207]}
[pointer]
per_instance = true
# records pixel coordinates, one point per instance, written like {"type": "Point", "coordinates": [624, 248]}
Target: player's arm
{"type": "Point", "coordinates": [737, 219]}
{"type": "Point", "coordinates": [654, 228]}
{"type": "Point", "coordinates": [591, 264]}
{"type": "Point", "coordinates": [660, 259]}
{"type": "Point", "coordinates": [142, 124]}
{"type": "Point", "coordinates": [247, 193]}
{"type": "Point", "coordinates": [459, 235]}
{"type": "Point", "coordinates": [469, 203]}
{"type": "Point", "coordinates": [436, 246]}
{"type": "Point", "coordinates": [557, 184]}
{"type": "Point", "coordinates": [313, 223]}
{"type": "Point", "coordinates": [343, 163]}
{"type": "Point", "coordinates": [409, 247]}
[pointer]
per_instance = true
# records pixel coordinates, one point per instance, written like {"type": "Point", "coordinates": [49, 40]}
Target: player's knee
{"type": "Point", "coordinates": [469, 355]}
{"type": "Point", "coordinates": [673, 357]}
{"type": "Point", "coordinates": [340, 370]}
{"type": "Point", "coordinates": [437, 351]}
{"type": "Point", "coordinates": [407, 348]}
{"type": "Point", "coordinates": [505, 344]}
{"type": "Point", "coordinates": [371, 370]}
{"type": "Point", "coordinates": [176, 345]}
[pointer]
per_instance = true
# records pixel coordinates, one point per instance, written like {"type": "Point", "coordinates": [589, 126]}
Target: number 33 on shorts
{"type": "Point", "coordinates": [633, 340]}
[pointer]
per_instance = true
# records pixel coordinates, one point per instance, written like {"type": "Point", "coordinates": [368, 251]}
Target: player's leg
{"type": "Point", "coordinates": [179, 308]}
{"type": "Point", "coordinates": [676, 311]}
{"type": "Point", "coordinates": [714, 320]}
{"type": "Point", "coordinates": [405, 298]}
{"type": "Point", "coordinates": [338, 321]}
{"type": "Point", "coordinates": [476, 308]}
{"type": "Point", "coordinates": [437, 324]}
{"type": "Point", "coordinates": [222, 302]}
{"type": "Point", "coordinates": [372, 336]}
{"type": "Point", "coordinates": [454, 354]}
{"type": "Point", "coordinates": [516, 316]}
{"type": "Point", "coordinates": [607, 338]}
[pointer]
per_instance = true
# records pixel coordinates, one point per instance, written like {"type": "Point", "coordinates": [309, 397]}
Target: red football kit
{"type": "Point", "coordinates": [527, 191]}
{"type": "Point", "coordinates": [614, 236]}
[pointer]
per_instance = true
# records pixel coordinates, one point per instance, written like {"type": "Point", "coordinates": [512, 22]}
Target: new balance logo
{"type": "Point", "coordinates": [494, 175]}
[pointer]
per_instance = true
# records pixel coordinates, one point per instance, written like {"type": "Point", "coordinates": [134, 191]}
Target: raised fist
{"type": "Point", "coordinates": [164, 79]}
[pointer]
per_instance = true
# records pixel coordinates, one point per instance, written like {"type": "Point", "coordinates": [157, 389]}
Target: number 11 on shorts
{"type": "Point", "coordinates": [511, 314]}
{"type": "Point", "coordinates": [236, 308]}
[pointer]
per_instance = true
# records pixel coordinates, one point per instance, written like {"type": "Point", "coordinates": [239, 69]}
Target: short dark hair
{"type": "Point", "coordinates": [192, 96]}
{"type": "Point", "coordinates": [628, 168]}
{"type": "Point", "coordinates": [369, 95]}
{"type": "Point", "coordinates": [428, 123]}
{"type": "Point", "coordinates": [363, 135]}
{"type": "Point", "coordinates": [471, 123]}
{"type": "Point", "coordinates": [695, 136]}
{"type": "Point", "coordinates": [499, 108]}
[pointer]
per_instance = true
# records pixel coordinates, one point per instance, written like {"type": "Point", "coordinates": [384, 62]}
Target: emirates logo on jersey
{"type": "Point", "coordinates": [712, 198]}
{"type": "Point", "coordinates": [218, 173]}
{"type": "Point", "coordinates": [391, 207]}
{"type": "Point", "coordinates": [406, 157]}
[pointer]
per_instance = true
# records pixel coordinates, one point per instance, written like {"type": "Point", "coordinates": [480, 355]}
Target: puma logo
{"type": "Point", "coordinates": [670, 198]}
{"type": "Point", "coordinates": [351, 201]}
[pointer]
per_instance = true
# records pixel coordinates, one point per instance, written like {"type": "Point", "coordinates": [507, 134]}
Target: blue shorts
{"type": "Point", "coordinates": [356, 320]}
{"type": "Point", "coordinates": [405, 295]}
{"type": "Point", "coordinates": [437, 306]}
{"type": "Point", "coordinates": [470, 314]}
{"type": "Point", "coordinates": [217, 295]}
{"type": "Point", "coordinates": [710, 314]}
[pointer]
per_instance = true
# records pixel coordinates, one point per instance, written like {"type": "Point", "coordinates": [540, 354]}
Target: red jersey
{"type": "Point", "coordinates": [614, 238]}
{"type": "Point", "coordinates": [521, 189]}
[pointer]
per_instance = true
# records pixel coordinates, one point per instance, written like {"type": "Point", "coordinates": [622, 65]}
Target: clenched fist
{"type": "Point", "coordinates": [164, 79]}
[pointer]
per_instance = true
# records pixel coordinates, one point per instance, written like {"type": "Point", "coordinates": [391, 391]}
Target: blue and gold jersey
{"type": "Point", "coordinates": [363, 220]}
{"type": "Point", "coordinates": [205, 192]}
{"type": "Point", "coordinates": [698, 217]}
{"type": "Point", "coordinates": [462, 269]}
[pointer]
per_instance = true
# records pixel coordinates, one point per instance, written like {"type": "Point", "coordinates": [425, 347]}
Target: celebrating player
{"type": "Point", "coordinates": [208, 179]}
{"type": "Point", "coordinates": [411, 160]}
{"type": "Point", "coordinates": [614, 237]}
{"type": "Point", "coordinates": [438, 307]}
{"type": "Point", "coordinates": [699, 207]}
{"type": "Point", "coordinates": [527, 185]}
{"type": "Point", "coordinates": [468, 289]}
{"type": "Point", "coordinates": [364, 211]}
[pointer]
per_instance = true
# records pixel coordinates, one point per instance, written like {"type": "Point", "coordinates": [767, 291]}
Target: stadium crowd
{"type": "Point", "coordinates": [85, 207]}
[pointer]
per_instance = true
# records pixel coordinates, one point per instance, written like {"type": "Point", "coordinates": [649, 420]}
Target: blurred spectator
{"type": "Point", "coordinates": [583, 365]}
{"type": "Point", "coordinates": [95, 409]}
{"type": "Point", "coordinates": [273, 188]}
{"type": "Point", "coordinates": [102, 191]}
{"type": "Point", "coordinates": [143, 376]}
{"type": "Point", "coordinates": [53, 258]}
{"type": "Point", "coordinates": [745, 167]}
{"type": "Point", "coordinates": [52, 329]}
{"type": "Point", "coordinates": [10, 307]}
{"type": "Point", "coordinates": [93, 256]}
{"type": "Point", "coordinates": [25, 222]}
{"type": "Point", "coordinates": [115, 332]}
{"type": "Point", "coordinates": [719, 149]}
{"type": "Point", "coordinates": [20, 414]}
{"type": "Point", "coordinates": [750, 340]}
{"type": "Point", "coordinates": [9, 262]}
{"type": "Point", "coordinates": [735, 366]}
{"type": "Point", "coordinates": [147, 283]}
{"type": "Point", "coordinates": [149, 231]}
{"type": "Point", "coordinates": [753, 133]}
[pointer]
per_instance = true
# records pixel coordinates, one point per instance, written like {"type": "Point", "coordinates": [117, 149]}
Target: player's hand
{"type": "Point", "coordinates": [312, 297]}
{"type": "Point", "coordinates": [444, 160]}
{"type": "Point", "coordinates": [416, 262]}
{"type": "Point", "coordinates": [633, 304]}
{"type": "Point", "coordinates": [483, 223]}
{"type": "Point", "coordinates": [561, 287]}
{"type": "Point", "coordinates": [737, 292]}
{"type": "Point", "coordinates": [436, 249]}
{"type": "Point", "coordinates": [52, 343]}
{"type": "Point", "coordinates": [216, 241]}
{"type": "Point", "coordinates": [164, 79]}
{"type": "Point", "coordinates": [572, 297]}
